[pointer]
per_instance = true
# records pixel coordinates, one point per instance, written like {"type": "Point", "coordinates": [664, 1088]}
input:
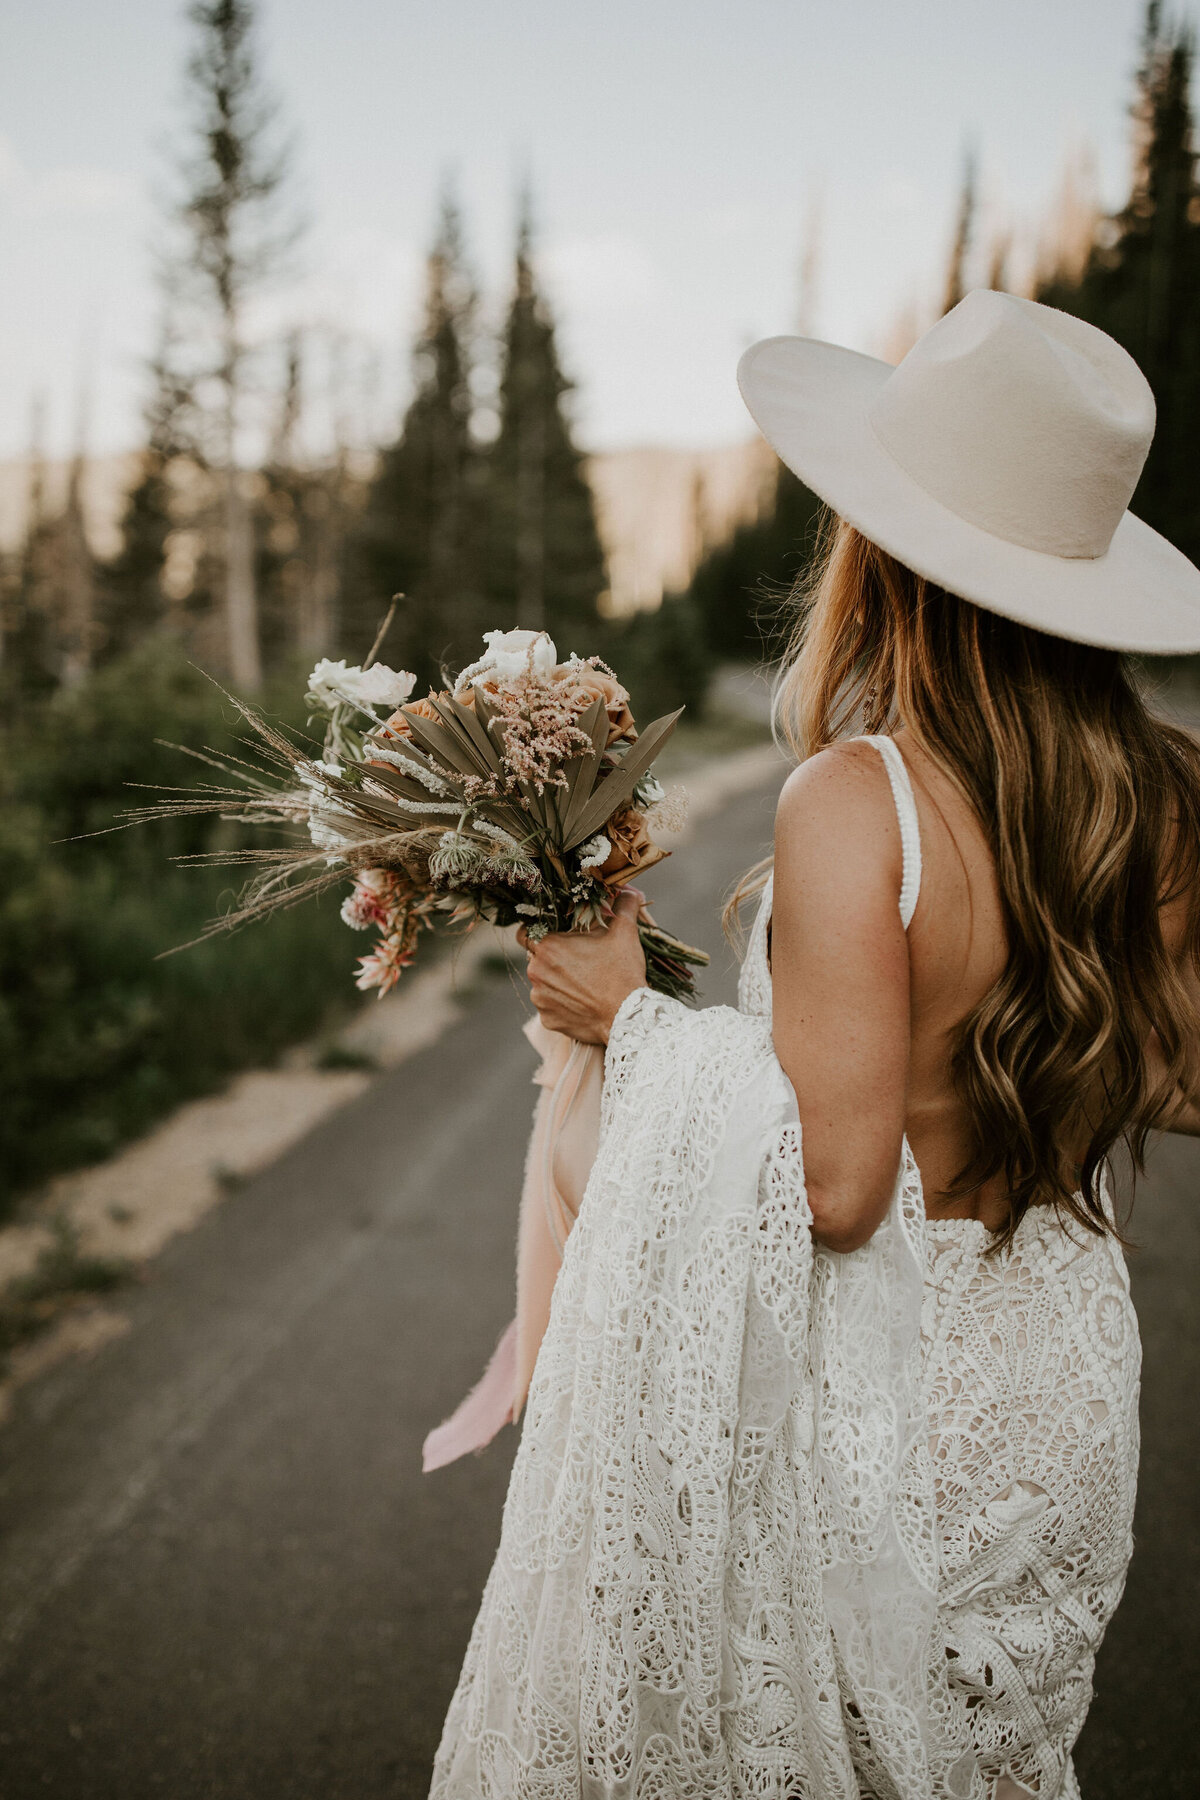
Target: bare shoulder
{"type": "Point", "coordinates": [841, 800]}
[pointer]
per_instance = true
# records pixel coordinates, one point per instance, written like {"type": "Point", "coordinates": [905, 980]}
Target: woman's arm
{"type": "Point", "coordinates": [839, 967]}
{"type": "Point", "coordinates": [839, 976]}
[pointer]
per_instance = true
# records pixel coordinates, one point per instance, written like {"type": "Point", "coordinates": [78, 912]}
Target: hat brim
{"type": "Point", "coordinates": [810, 400]}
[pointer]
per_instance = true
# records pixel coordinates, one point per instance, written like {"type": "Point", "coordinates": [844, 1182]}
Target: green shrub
{"type": "Point", "coordinates": [97, 1038]}
{"type": "Point", "coordinates": [662, 657]}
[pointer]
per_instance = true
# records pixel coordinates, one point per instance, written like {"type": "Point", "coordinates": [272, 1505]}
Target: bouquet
{"type": "Point", "coordinates": [522, 793]}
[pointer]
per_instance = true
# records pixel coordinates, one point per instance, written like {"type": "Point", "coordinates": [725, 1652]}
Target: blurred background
{"type": "Point", "coordinates": [307, 305]}
{"type": "Point", "coordinates": [302, 308]}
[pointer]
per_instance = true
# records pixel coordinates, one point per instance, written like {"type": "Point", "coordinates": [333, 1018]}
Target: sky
{"type": "Point", "coordinates": [679, 152]}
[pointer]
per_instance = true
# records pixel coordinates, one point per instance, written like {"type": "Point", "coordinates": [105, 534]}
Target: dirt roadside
{"type": "Point", "coordinates": [109, 1220]}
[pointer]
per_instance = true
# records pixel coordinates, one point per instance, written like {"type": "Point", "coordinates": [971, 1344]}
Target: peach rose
{"type": "Point", "coordinates": [397, 725]}
{"type": "Point", "coordinates": [598, 686]}
{"type": "Point", "coordinates": [633, 849]}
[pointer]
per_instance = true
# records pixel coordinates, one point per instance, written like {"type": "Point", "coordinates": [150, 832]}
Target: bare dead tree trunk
{"type": "Point", "coordinates": [78, 595]}
{"type": "Point", "coordinates": [326, 510]}
{"type": "Point", "coordinates": [235, 241]}
{"type": "Point", "coordinates": [319, 604]}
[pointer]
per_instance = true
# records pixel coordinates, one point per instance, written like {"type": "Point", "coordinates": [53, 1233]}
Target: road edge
{"type": "Point", "coordinates": [121, 1213]}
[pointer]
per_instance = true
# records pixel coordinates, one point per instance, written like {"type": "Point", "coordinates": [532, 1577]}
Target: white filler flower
{"type": "Point", "coordinates": [376, 686]}
{"type": "Point", "coordinates": [597, 850]}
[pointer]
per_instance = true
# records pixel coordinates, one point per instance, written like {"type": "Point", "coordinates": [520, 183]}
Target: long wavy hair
{"type": "Point", "coordinates": [1091, 807]}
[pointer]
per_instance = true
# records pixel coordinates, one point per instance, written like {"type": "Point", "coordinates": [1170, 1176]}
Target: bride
{"type": "Point", "coordinates": [826, 1481]}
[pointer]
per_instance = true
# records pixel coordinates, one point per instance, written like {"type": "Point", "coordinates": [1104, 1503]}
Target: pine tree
{"type": "Point", "coordinates": [280, 567]}
{"type": "Point", "coordinates": [235, 242]}
{"type": "Point", "coordinates": [330, 508]}
{"type": "Point", "coordinates": [736, 601]}
{"type": "Point", "coordinates": [662, 655]}
{"type": "Point", "coordinates": [76, 609]}
{"type": "Point", "coordinates": [50, 622]}
{"type": "Point", "coordinates": [421, 529]}
{"type": "Point", "coordinates": [740, 587]}
{"type": "Point", "coordinates": [331, 495]}
{"type": "Point", "coordinates": [301, 515]}
{"type": "Point", "coordinates": [1143, 275]}
{"type": "Point", "coordinates": [546, 564]}
{"type": "Point", "coordinates": [964, 229]}
{"type": "Point", "coordinates": [30, 663]}
{"type": "Point", "coordinates": [135, 603]}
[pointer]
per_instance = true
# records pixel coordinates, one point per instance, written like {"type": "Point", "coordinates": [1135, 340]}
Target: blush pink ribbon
{"type": "Point", "coordinates": [562, 1149]}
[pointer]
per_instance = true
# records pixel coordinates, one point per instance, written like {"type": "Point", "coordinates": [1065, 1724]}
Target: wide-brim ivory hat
{"type": "Point", "coordinates": [997, 459]}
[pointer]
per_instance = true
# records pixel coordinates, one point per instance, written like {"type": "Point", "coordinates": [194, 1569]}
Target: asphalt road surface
{"type": "Point", "coordinates": [223, 1576]}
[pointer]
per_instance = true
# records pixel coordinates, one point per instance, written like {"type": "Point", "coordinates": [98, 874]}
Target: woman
{"type": "Point", "coordinates": [977, 955]}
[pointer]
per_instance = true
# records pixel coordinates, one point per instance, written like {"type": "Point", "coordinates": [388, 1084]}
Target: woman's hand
{"type": "Point", "coordinates": [578, 979]}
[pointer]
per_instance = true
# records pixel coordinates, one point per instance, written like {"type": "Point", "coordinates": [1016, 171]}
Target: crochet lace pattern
{"type": "Point", "coordinates": [1032, 1363]}
{"type": "Point", "coordinates": [786, 1523]}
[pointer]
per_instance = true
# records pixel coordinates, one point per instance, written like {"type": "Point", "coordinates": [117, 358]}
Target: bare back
{"type": "Point", "coordinates": [869, 1000]}
{"type": "Point", "coordinates": [957, 951]}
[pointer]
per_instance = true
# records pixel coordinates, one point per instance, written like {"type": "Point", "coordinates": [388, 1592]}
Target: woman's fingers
{"type": "Point", "coordinates": [547, 1003]}
{"type": "Point", "coordinates": [578, 979]}
{"type": "Point", "coordinates": [627, 905]}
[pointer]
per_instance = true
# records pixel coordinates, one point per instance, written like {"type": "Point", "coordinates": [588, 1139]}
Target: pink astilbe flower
{"type": "Point", "coordinates": [538, 723]}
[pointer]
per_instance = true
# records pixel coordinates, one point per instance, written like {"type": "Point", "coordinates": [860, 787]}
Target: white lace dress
{"type": "Point", "coordinates": [1032, 1364]}
{"type": "Point", "coordinates": [784, 1523]}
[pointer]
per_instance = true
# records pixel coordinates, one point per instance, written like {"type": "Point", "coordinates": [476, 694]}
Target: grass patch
{"type": "Point", "coordinates": [99, 1038]}
{"type": "Point", "coordinates": [343, 1056]}
{"type": "Point", "coordinates": [62, 1275]}
{"type": "Point", "coordinates": [495, 963]}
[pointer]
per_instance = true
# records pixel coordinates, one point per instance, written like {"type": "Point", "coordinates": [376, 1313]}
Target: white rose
{"type": "Point", "coordinates": [325, 682]}
{"type": "Point", "coordinates": [381, 686]}
{"type": "Point", "coordinates": [376, 686]}
{"type": "Point", "coordinates": [508, 653]}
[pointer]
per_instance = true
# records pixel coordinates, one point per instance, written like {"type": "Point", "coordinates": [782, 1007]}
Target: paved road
{"type": "Point", "coordinates": [223, 1576]}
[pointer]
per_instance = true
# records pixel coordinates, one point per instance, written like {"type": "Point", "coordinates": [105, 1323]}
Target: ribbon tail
{"type": "Point", "coordinates": [562, 1147]}
{"type": "Point", "coordinates": [476, 1420]}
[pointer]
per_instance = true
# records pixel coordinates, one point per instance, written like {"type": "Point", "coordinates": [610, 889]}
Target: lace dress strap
{"type": "Point", "coordinates": [906, 815]}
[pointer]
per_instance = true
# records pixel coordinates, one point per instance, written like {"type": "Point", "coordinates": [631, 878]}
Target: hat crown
{"type": "Point", "coordinates": [1025, 421]}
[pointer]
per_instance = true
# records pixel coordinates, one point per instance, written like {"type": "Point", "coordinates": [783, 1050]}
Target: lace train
{"type": "Point", "coordinates": [784, 1523]}
{"type": "Point", "coordinates": [717, 1573]}
{"type": "Point", "coordinates": [1032, 1363]}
